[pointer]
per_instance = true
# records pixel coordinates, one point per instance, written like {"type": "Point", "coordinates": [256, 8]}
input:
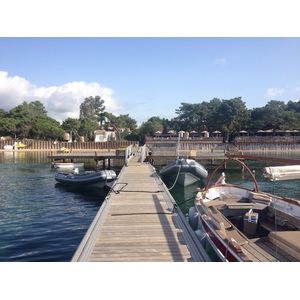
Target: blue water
{"type": "Point", "coordinates": [40, 219]}
{"type": "Point", "coordinates": [43, 221]}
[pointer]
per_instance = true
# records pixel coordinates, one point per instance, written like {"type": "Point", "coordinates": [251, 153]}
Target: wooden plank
{"type": "Point", "coordinates": [139, 225]}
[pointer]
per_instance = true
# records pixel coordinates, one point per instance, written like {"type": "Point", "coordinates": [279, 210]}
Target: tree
{"type": "Point", "coordinates": [25, 116]}
{"type": "Point", "coordinates": [153, 125]}
{"type": "Point", "coordinates": [71, 124]}
{"type": "Point", "coordinates": [3, 113]}
{"type": "Point", "coordinates": [126, 122]}
{"type": "Point", "coordinates": [8, 126]}
{"type": "Point", "coordinates": [92, 108]}
{"type": "Point", "coordinates": [87, 128]}
{"type": "Point", "coordinates": [232, 115]}
{"type": "Point", "coordinates": [46, 128]}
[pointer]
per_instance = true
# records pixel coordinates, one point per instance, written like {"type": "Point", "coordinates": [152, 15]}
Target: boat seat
{"type": "Point", "coordinates": [259, 198]}
{"type": "Point", "coordinates": [232, 233]}
{"type": "Point", "coordinates": [218, 216]}
{"type": "Point", "coordinates": [240, 205]}
{"type": "Point", "coordinates": [289, 241]}
{"type": "Point", "coordinates": [225, 226]}
{"type": "Point", "coordinates": [233, 198]}
{"type": "Point", "coordinates": [295, 221]}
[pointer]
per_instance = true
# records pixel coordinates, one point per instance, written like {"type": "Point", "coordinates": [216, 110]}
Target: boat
{"type": "Point", "coordinates": [21, 145]}
{"type": "Point", "coordinates": [184, 171]}
{"type": "Point", "coordinates": [242, 224]}
{"type": "Point", "coordinates": [68, 165]}
{"type": "Point", "coordinates": [8, 147]}
{"type": "Point", "coordinates": [87, 178]}
{"type": "Point", "coordinates": [15, 146]}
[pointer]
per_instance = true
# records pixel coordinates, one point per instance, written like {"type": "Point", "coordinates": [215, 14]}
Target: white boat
{"type": "Point", "coordinates": [184, 171]}
{"type": "Point", "coordinates": [87, 179]}
{"type": "Point", "coordinates": [8, 147]}
{"type": "Point", "coordinates": [68, 165]}
{"type": "Point", "coordinates": [242, 224]}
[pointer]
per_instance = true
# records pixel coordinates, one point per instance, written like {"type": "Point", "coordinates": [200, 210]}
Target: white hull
{"type": "Point", "coordinates": [69, 165]}
{"type": "Point", "coordinates": [8, 147]}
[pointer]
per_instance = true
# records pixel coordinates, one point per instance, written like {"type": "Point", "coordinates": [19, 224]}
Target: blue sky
{"type": "Point", "coordinates": [146, 76]}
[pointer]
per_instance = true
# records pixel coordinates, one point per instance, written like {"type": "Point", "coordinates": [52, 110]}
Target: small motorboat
{"type": "Point", "coordinates": [184, 171]}
{"type": "Point", "coordinates": [8, 147]}
{"type": "Point", "coordinates": [87, 178]}
{"type": "Point", "coordinates": [21, 145]}
{"type": "Point", "coordinates": [242, 224]}
{"type": "Point", "coordinates": [68, 165]}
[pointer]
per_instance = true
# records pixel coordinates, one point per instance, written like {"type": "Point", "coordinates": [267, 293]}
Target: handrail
{"type": "Point", "coordinates": [238, 161]}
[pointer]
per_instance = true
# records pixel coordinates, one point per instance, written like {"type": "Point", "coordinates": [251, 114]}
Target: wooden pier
{"type": "Point", "coordinates": [139, 221]}
{"type": "Point", "coordinates": [98, 156]}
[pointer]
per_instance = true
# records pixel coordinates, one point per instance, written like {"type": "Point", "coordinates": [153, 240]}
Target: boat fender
{"type": "Point", "coordinates": [199, 196]}
{"type": "Point", "coordinates": [193, 218]}
{"type": "Point", "coordinates": [201, 236]}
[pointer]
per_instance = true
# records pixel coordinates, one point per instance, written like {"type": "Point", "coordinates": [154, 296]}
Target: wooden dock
{"type": "Point", "coordinates": [98, 156]}
{"type": "Point", "coordinates": [139, 221]}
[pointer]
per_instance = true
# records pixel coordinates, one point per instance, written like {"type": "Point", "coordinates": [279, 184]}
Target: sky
{"type": "Point", "coordinates": [145, 75]}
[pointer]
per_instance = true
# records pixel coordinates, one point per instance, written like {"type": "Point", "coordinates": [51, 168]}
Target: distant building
{"type": "Point", "coordinates": [104, 136]}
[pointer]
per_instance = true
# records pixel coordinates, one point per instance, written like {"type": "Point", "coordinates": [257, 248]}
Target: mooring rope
{"type": "Point", "coordinates": [175, 179]}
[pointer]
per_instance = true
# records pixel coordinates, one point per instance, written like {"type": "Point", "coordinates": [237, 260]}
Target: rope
{"type": "Point", "coordinates": [108, 188]}
{"type": "Point", "coordinates": [186, 201]}
{"type": "Point", "coordinates": [175, 179]}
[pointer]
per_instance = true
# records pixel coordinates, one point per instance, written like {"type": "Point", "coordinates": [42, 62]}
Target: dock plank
{"type": "Point", "coordinates": [139, 224]}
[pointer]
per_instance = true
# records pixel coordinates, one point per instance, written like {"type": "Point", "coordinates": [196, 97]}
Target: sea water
{"type": "Point", "coordinates": [43, 221]}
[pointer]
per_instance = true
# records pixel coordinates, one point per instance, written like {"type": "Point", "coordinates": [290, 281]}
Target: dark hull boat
{"type": "Point", "coordinates": [184, 171]}
{"type": "Point", "coordinates": [88, 178]}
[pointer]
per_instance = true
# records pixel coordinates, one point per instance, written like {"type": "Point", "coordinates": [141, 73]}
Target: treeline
{"type": "Point", "coordinates": [229, 117]}
{"type": "Point", "coordinates": [30, 120]}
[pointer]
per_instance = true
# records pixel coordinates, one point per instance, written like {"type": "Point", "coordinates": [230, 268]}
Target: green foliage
{"type": "Point", "coordinates": [8, 126]}
{"type": "Point", "coordinates": [92, 108]}
{"type": "Point", "coordinates": [25, 117]}
{"type": "Point", "coordinates": [46, 128]}
{"type": "Point", "coordinates": [87, 128]}
{"type": "Point", "coordinates": [153, 125]}
{"type": "Point", "coordinates": [30, 120]}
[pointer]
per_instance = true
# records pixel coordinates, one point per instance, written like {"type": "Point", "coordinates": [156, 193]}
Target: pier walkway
{"type": "Point", "coordinates": [139, 222]}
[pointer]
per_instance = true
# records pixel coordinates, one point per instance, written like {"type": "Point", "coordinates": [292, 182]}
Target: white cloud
{"type": "Point", "coordinates": [60, 102]}
{"type": "Point", "coordinates": [274, 92]}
